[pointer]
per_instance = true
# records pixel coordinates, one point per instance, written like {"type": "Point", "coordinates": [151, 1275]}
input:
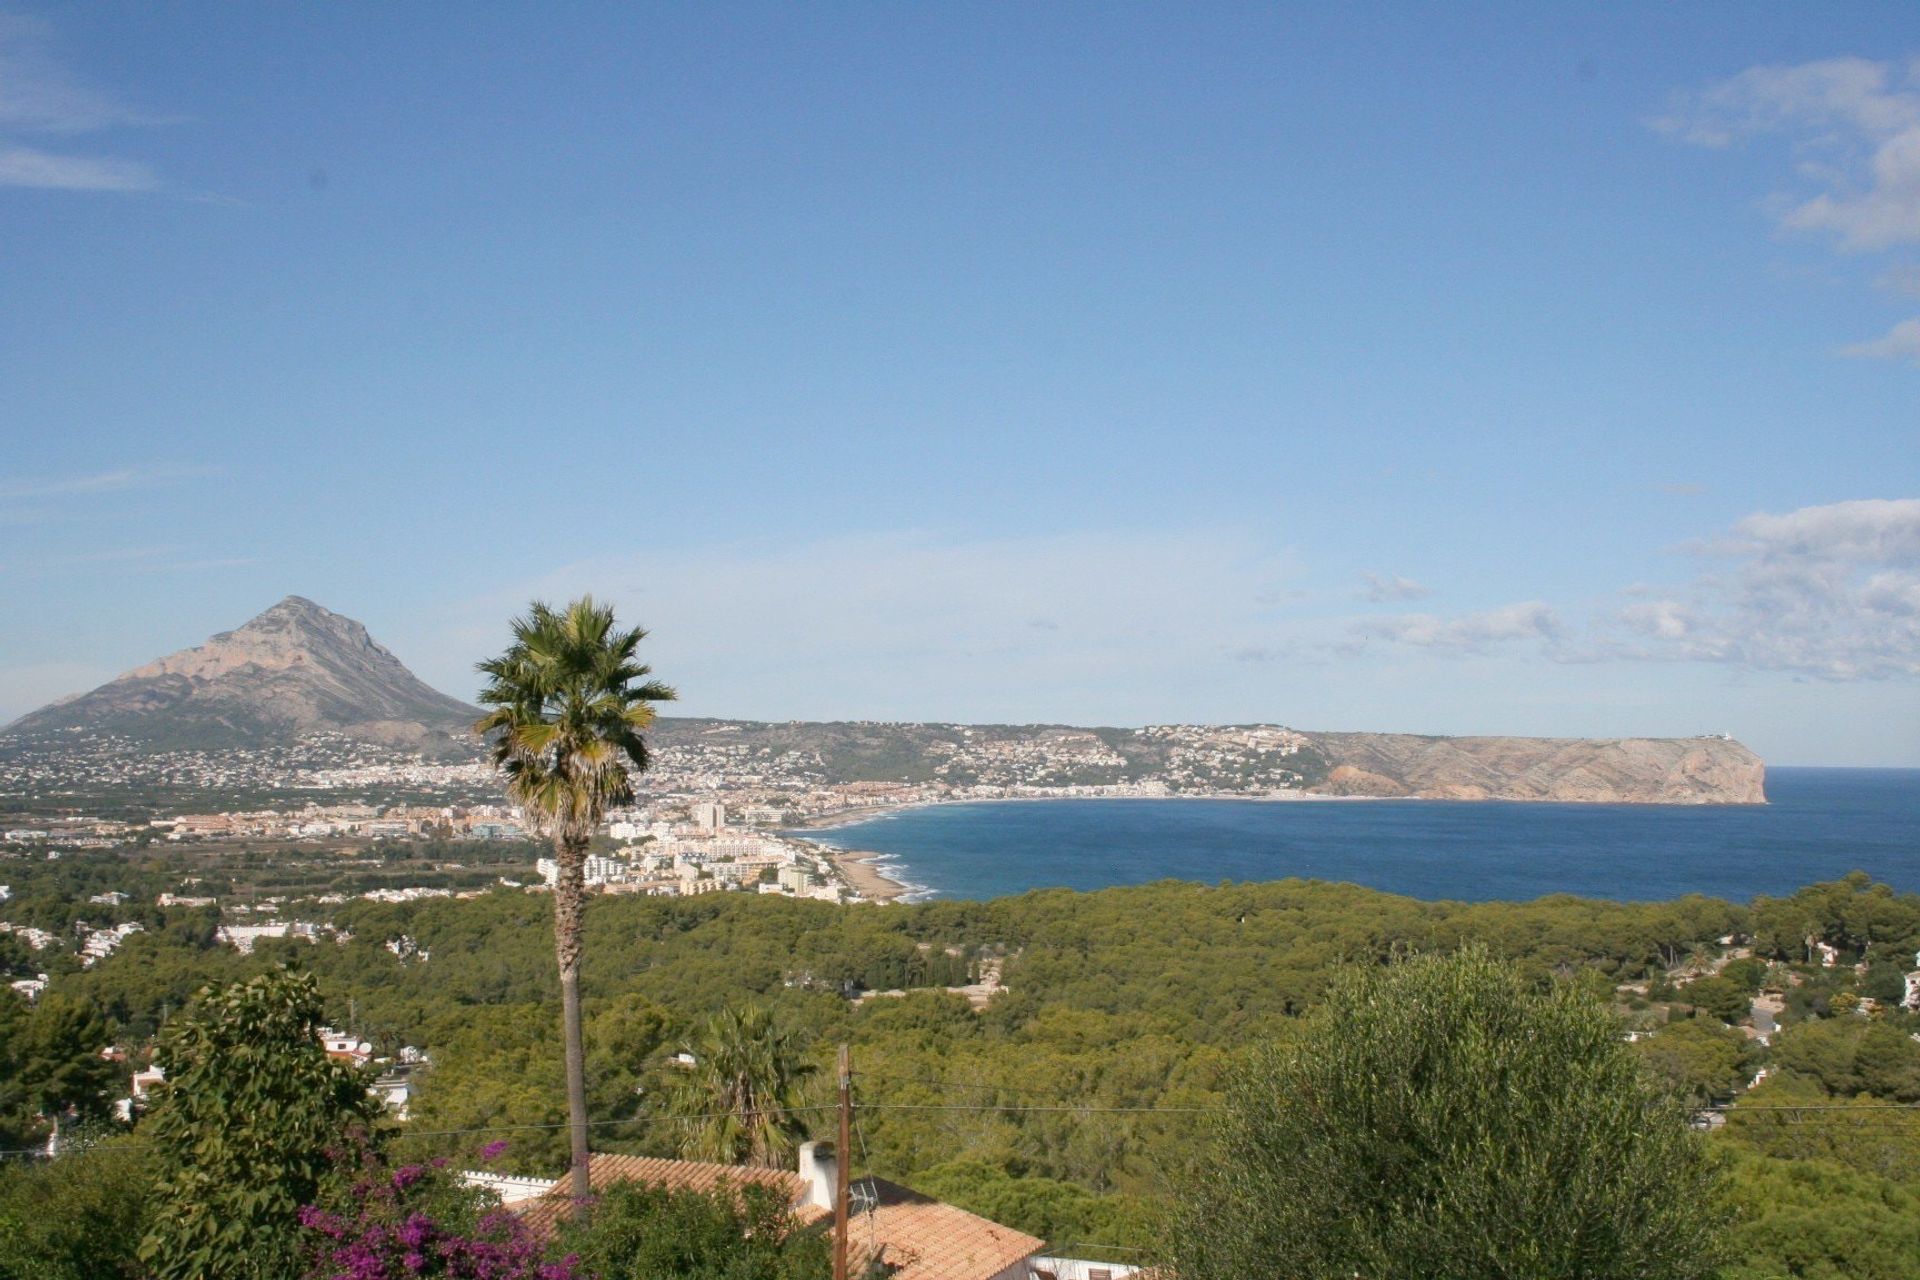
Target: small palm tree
{"type": "Point", "coordinates": [736, 1102]}
{"type": "Point", "coordinates": [568, 709]}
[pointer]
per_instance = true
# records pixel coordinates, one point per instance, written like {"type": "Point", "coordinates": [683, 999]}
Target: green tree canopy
{"type": "Point", "coordinates": [743, 1233]}
{"type": "Point", "coordinates": [1443, 1119]}
{"type": "Point", "coordinates": [736, 1101]}
{"type": "Point", "coordinates": [249, 1124]}
{"type": "Point", "coordinates": [1697, 1058]}
{"type": "Point", "coordinates": [76, 1218]}
{"type": "Point", "coordinates": [1720, 998]}
{"type": "Point", "coordinates": [50, 1065]}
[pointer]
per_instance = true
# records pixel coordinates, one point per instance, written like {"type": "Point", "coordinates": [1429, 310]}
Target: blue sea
{"type": "Point", "coordinates": [1820, 824]}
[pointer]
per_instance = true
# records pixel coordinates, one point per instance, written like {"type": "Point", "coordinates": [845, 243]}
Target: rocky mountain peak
{"type": "Point", "coordinates": [296, 668]}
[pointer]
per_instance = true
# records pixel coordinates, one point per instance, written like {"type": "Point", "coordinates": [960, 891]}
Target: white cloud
{"type": "Point", "coordinates": [25, 167]}
{"type": "Point", "coordinates": [1867, 530]}
{"type": "Point", "coordinates": [1664, 619]}
{"type": "Point", "coordinates": [1468, 632]}
{"type": "Point", "coordinates": [38, 95]}
{"type": "Point", "coordinates": [1902, 342]}
{"type": "Point", "coordinates": [1381, 587]}
{"type": "Point", "coordinates": [1829, 591]}
{"type": "Point", "coordinates": [1856, 95]}
{"type": "Point", "coordinates": [1855, 126]}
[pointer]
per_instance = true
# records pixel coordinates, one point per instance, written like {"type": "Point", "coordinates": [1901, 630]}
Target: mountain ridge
{"type": "Point", "coordinates": [299, 669]}
{"type": "Point", "coordinates": [1697, 770]}
{"type": "Point", "coordinates": [294, 669]}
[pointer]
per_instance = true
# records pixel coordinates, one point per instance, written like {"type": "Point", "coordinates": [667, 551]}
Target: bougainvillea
{"type": "Point", "coordinates": [417, 1220]}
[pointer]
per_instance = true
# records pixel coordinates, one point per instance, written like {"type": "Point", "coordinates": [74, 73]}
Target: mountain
{"type": "Point", "coordinates": [299, 669]}
{"type": "Point", "coordinates": [296, 669]}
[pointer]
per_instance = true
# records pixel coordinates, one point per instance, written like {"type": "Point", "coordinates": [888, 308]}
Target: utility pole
{"type": "Point", "coordinates": [844, 1159]}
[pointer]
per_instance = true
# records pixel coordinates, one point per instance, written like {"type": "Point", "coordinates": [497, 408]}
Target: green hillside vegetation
{"type": "Point", "coordinates": [1144, 997]}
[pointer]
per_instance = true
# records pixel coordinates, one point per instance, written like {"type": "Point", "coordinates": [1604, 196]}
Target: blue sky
{"type": "Point", "coordinates": [1515, 370]}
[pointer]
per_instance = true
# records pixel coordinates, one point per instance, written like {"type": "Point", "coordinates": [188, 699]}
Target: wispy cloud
{"type": "Point", "coordinates": [1830, 592]}
{"type": "Point", "coordinates": [1902, 342]}
{"type": "Point", "coordinates": [1853, 126]}
{"type": "Point", "coordinates": [119, 480]}
{"type": "Point", "coordinates": [1466, 632]}
{"type": "Point", "coordinates": [1382, 587]}
{"type": "Point", "coordinates": [40, 96]}
{"type": "Point", "coordinates": [38, 92]}
{"type": "Point", "coordinates": [25, 167]}
{"type": "Point", "coordinates": [912, 624]}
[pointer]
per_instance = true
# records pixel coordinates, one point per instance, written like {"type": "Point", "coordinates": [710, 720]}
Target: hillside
{"type": "Point", "coordinates": [1247, 760]}
{"type": "Point", "coordinates": [300, 670]}
{"type": "Point", "coordinates": [1635, 770]}
{"type": "Point", "coordinates": [296, 669]}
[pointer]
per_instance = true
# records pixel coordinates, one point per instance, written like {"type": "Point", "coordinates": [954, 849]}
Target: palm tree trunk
{"type": "Point", "coordinates": [569, 905]}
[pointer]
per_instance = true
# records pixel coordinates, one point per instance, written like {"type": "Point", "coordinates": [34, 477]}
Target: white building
{"type": "Point", "coordinates": [102, 943]}
{"type": "Point", "coordinates": [346, 1047]}
{"type": "Point", "coordinates": [241, 937]}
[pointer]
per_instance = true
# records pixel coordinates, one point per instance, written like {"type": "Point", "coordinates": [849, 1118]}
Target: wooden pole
{"type": "Point", "coordinates": [842, 1163]}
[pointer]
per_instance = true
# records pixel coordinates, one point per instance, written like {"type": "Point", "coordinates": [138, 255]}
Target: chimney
{"type": "Point", "coordinates": [816, 1170]}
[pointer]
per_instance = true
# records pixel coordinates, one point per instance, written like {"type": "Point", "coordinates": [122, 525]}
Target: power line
{"type": "Point", "coordinates": [1739, 1108]}
{"type": "Point", "coordinates": [403, 1132]}
{"type": "Point", "coordinates": [1025, 1108]}
{"type": "Point", "coordinates": [972, 1088]}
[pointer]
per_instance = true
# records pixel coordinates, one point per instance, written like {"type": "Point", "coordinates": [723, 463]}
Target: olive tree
{"type": "Point", "coordinates": [1443, 1119]}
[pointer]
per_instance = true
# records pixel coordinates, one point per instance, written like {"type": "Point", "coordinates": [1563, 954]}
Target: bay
{"type": "Point", "coordinates": [1819, 825]}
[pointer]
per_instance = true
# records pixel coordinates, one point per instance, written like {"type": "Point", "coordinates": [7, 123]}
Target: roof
{"type": "Point", "coordinates": [915, 1237]}
{"type": "Point", "coordinates": [603, 1171]}
{"type": "Point", "coordinates": [920, 1238]}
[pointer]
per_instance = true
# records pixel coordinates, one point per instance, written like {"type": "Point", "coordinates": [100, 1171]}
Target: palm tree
{"type": "Point", "coordinates": [736, 1102]}
{"type": "Point", "coordinates": [569, 707]}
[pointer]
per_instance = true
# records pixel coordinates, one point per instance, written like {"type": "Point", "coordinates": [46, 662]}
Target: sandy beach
{"type": "Point", "coordinates": [857, 866]}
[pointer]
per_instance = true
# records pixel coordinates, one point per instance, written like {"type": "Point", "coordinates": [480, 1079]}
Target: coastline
{"type": "Point", "coordinates": [869, 813]}
{"type": "Point", "coordinates": [881, 877]}
{"type": "Point", "coordinates": [860, 870]}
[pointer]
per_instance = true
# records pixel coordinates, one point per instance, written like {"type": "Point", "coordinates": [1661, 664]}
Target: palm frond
{"type": "Point", "coordinates": [564, 715]}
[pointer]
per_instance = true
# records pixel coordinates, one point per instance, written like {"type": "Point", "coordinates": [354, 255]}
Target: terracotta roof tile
{"type": "Point", "coordinates": [914, 1237]}
{"type": "Point", "coordinates": [547, 1211]}
{"type": "Point", "coordinates": [920, 1238]}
